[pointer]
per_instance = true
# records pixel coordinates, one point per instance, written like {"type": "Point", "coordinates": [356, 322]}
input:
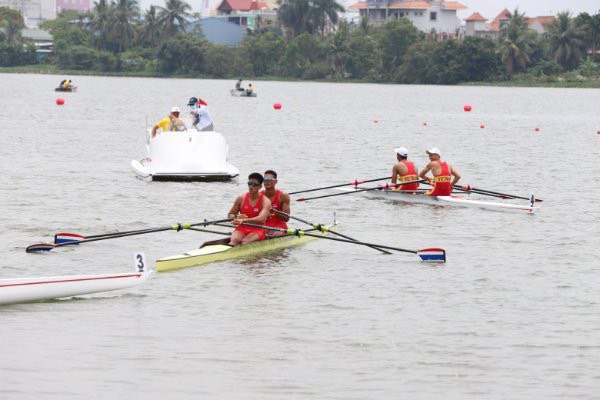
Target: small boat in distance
{"type": "Point", "coordinates": [186, 156]}
{"type": "Point", "coordinates": [242, 93]}
{"type": "Point", "coordinates": [69, 89]}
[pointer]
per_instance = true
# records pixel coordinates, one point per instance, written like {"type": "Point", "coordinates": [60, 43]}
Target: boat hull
{"type": "Point", "coordinates": [66, 90]}
{"type": "Point", "coordinates": [186, 156]}
{"type": "Point", "coordinates": [240, 93]}
{"type": "Point", "coordinates": [210, 253]}
{"type": "Point", "coordinates": [20, 290]}
{"type": "Point", "coordinates": [456, 201]}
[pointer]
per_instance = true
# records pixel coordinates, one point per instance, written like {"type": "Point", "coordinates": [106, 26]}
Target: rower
{"type": "Point", "coordinates": [238, 85]}
{"type": "Point", "coordinates": [250, 90]}
{"type": "Point", "coordinates": [279, 201]}
{"type": "Point", "coordinates": [442, 174]}
{"type": "Point", "coordinates": [253, 208]}
{"type": "Point", "coordinates": [404, 171]}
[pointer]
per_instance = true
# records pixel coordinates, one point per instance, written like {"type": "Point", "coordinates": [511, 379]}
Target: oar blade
{"type": "Point", "coordinates": [67, 238]}
{"type": "Point", "coordinates": [434, 255]}
{"type": "Point", "coordinates": [39, 247]}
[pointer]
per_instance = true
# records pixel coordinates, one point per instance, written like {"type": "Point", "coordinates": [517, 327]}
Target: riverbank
{"type": "Point", "coordinates": [567, 80]}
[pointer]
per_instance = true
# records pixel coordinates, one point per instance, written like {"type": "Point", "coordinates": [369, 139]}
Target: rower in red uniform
{"type": "Point", "coordinates": [253, 208]}
{"type": "Point", "coordinates": [443, 174]}
{"type": "Point", "coordinates": [404, 171]}
{"type": "Point", "coordinates": [279, 201]}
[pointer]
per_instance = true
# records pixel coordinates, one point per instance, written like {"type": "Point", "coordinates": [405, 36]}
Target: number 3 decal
{"type": "Point", "coordinates": [139, 262]}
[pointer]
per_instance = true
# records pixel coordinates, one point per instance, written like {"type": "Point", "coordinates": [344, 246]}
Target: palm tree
{"type": "Point", "coordinates": [120, 28]}
{"type": "Point", "coordinates": [13, 22]}
{"type": "Point", "coordinates": [173, 17]}
{"type": "Point", "coordinates": [322, 13]}
{"type": "Point", "coordinates": [293, 15]}
{"type": "Point", "coordinates": [566, 41]}
{"type": "Point", "coordinates": [312, 16]}
{"type": "Point", "coordinates": [515, 43]}
{"type": "Point", "coordinates": [99, 24]}
{"type": "Point", "coordinates": [150, 31]}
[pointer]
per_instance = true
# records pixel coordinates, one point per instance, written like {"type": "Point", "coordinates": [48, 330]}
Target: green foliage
{"type": "Point", "coordinates": [106, 61]}
{"type": "Point", "coordinates": [263, 52]}
{"type": "Point", "coordinates": [589, 67]}
{"type": "Point", "coordinates": [11, 22]}
{"type": "Point", "coordinates": [77, 58]}
{"type": "Point", "coordinates": [363, 57]}
{"type": "Point", "coordinates": [566, 41]}
{"type": "Point", "coordinates": [17, 54]}
{"type": "Point", "coordinates": [302, 52]}
{"type": "Point", "coordinates": [181, 53]}
{"type": "Point", "coordinates": [393, 41]}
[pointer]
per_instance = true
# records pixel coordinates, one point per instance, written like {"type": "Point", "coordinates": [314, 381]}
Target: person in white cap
{"type": "Point", "coordinates": [444, 175]}
{"type": "Point", "coordinates": [404, 171]}
{"type": "Point", "coordinates": [170, 123]}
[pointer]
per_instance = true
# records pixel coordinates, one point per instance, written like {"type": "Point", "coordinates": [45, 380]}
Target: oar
{"type": "Point", "coordinates": [355, 183]}
{"type": "Point", "coordinates": [65, 237]}
{"type": "Point", "coordinates": [468, 188]}
{"type": "Point", "coordinates": [431, 254]}
{"type": "Point", "coordinates": [362, 190]}
{"type": "Point", "coordinates": [324, 228]}
{"type": "Point", "coordinates": [176, 227]}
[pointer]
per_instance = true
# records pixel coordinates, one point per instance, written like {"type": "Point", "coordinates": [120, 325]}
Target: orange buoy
{"type": "Point", "coordinates": [60, 101]}
{"type": "Point", "coordinates": [277, 106]}
{"type": "Point", "coordinates": [467, 107]}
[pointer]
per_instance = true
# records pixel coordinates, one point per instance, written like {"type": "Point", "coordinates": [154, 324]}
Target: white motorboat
{"type": "Point", "coordinates": [186, 155]}
{"type": "Point", "coordinates": [242, 93]}
{"type": "Point", "coordinates": [21, 290]}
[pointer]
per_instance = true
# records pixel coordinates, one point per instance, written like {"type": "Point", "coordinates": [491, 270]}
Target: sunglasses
{"type": "Point", "coordinates": [269, 179]}
{"type": "Point", "coordinates": [253, 184]}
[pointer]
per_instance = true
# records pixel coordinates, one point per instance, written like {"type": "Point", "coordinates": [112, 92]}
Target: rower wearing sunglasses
{"type": "Point", "coordinates": [252, 207]}
{"type": "Point", "coordinates": [279, 201]}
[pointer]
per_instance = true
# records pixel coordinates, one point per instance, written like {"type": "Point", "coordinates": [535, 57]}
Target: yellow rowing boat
{"type": "Point", "coordinates": [218, 250]}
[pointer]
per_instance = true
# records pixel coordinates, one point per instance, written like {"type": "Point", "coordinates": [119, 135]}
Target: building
{"type": "Point", "coordinates": [33, 11]}
{"type": "Point", "coordinates": [218, 30]}
{"type": "Point", "coordinates": [246, 13]}
{"type": "Point", "coordinates": [476, 24]}
{"type": "Point", "coordinates": [429, 16]}
{"type": "Point", "coordinates": [41, 39]}
{"type": "Point", "coordinates": [81, 5]}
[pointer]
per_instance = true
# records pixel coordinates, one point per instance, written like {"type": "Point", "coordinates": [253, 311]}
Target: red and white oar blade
{"type": "Point", "coordinates": [432, 255]}
{"type": "Point", "coordinates": [39, 247]}
{"type": "Point", "coordinates": [67, 237]}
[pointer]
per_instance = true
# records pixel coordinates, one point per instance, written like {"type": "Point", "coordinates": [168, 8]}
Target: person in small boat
{"type": "Point", "coordinates": [404, 171]}
{"type": "Point", "coordinates": [444, 175]}
{"type": "Point", "coordinates": [62, 83]}
{"type": "Point", "coordinates": [252, 207]}
{"type": "Point", "coordinates": [170, 123]}
{"type": "Point", "coordinates": [250, 90]}
{"type": "Point", "coordinates": [238, 85]}
{"type": "Point", "coordinates": [199, 110]}
{"type": "Point", "coordinates": [279, 201]}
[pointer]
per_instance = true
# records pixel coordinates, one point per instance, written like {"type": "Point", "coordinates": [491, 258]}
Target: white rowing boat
{"type": "Point", "coordinates": [242, 93]}
{"type": "Point", "coordinates": [20, 290]}
{"type": "Point", "coordinates": [419, 197]}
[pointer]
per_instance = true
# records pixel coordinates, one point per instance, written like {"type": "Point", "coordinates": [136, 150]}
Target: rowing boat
{"type": "Point", "coordinates": [20, 290]}
{"type": "Point", "coordinates": [219, 250]}
{"type": "Point", "coordinates": [242, 93]}
{"type": "Point", "coordinates": [419, 197]}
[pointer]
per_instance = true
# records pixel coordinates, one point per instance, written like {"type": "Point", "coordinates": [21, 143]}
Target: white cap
{"type": "Point", "coordinates": [401, 151]}
{"type": "Point", "coordinates": [434, 150]}
{"type": "Point", "coordinates": [175, 109]}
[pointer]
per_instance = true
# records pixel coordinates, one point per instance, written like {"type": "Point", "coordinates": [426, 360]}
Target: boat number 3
{"type": "Point", "coordinates": [139, 262]}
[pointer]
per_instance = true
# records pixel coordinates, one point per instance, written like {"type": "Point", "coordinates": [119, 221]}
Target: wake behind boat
{"type": "Point", "coordinates": [186, 156]}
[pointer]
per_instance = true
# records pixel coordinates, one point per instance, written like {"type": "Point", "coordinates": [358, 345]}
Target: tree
{"type": "Point", "coordinates": [338, 48]}
{"type": "Point", "coordinates": [293, 14]}
{"type": "Point", "coordinates": [515, 43]}
{"type": "Point", "coordinates": [173, 16]}
{"type": "Point", "coordinates": [120, 28]}
{"type": "Point", "coordinates": [12, 22]}
{"type": "Point", "coordinates": [99, 24]}
{"type": "Point", "coordinates": [566, 41]}
{"type": "Point", "coordinates": [264, 52]}
{"type": "Point", "coordinates": [394, 40]}
{"type": "Point", "coordinates": [150, 30]}
{"type": "Point", "coordinates": [591, 30]}
{"type": "Point", "coordinates": [301, 54]}
{"type": "Point", "coordinates": [322, 13]}
{"type": "Point", "coordinates": [311, 16]}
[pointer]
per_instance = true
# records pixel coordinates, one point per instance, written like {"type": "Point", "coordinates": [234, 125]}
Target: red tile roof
{"type": "Point", "coordinates": [454, 5]}
{"type": "Point", "coordinates": [476, 17]}
{"type": "Point", "coordinates": [241, 5]}
{"type": "Point", "coordinates": [505, 14]}
{"type": "Point", "coordinates": [544, 21]}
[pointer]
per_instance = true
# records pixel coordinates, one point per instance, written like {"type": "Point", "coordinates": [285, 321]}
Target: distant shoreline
{"type": "Point", "coordinates": [548, 82]}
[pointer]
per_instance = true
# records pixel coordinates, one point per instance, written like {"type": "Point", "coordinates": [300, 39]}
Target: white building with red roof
{"type": "Point", "coordinates": [437, 16]}
{"type": "Point", "coordinates": [475, 25]}
{"type": "Point", "coordinates": [246, 13]}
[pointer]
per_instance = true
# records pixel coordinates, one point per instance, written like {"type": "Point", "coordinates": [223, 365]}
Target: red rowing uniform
{"type": "Point", "coordinates": [442, 183]}
{"type": "Point", "coordinates": [273, 221]}
{"type": "Point", "coordinates": [411, 175]}
{"type": "Point", "coordinates": [251, 211]}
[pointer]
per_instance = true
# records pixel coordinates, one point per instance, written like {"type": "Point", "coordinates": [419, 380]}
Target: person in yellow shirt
{"type": "Point", "coordinates": [171, 123]}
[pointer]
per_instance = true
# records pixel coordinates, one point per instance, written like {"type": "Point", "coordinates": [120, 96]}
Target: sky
{"type": "Point", "coordinates": [487, 8]}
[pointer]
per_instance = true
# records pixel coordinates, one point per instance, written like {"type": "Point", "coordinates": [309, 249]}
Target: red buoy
{"type": "Point", "coordinates": [424, 123]}
{"type": "Point", "coordinates": [482, 126]}
{"type": "Point", "coordinates": [60, 101]}
{"type": "Point", "coordinates": [537, 129]}
{"type": "Point", "coordinates": [277, 106]}
{"type": "Point", "coordinates": [376, 121]}
{"type": "Point", "coordinates": [467, 107]}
